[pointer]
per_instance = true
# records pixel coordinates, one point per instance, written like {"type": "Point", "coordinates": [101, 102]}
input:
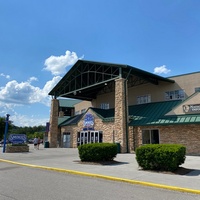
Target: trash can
{"type": "Point", "coordinates": [118, 147]}
{"type": "Point", "coordinates": [46, 144]}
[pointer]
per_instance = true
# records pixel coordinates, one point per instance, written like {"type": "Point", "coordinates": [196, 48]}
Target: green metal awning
{"type": "Point", "coordinates": [62, 119]}
{"type": "Point", "coordinates": [152, 114]}
{"type": "Point", "coordinates": [71, 120]}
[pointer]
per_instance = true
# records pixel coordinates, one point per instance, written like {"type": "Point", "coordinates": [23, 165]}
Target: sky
{"type": "Point", "coordinates": [41, 40]}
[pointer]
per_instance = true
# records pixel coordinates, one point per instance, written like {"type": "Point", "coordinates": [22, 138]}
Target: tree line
{"type": "Point", "coordinates": [30, 132]}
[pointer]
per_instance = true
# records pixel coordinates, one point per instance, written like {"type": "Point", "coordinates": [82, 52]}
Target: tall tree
{"type": "Point", "coordinates": [2, 127]}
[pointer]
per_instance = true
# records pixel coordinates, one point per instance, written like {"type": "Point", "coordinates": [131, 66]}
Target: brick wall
{"type": "Point", "coordinates": [112, 131]}
{"type": "Point", "coordinates": [187, 135]}
{"type": "Point", "coordinates": [53, 131]}
{"type": "Point", "coordinates": [106, 127]}
{"type": "Point", "coordinates": [121, 113]}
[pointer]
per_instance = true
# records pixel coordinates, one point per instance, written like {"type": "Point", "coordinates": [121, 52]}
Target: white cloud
{"type": "Point", "coordinates": [4, 75]}
{"type": "Point", "coordinates": [50, 84]}
{"type": "Point", "coordinates": [15, 95]}
{"type": "Point", "coordinates": [25, 120]}
{"type": "Point", "coordinates": [31, 79]}
{"type": "Point", "coordinates": [57, 64]}
{"type": "Point", "coordinates": [25, 93]}
{"type": "Point", "coordinates": [161, 70]}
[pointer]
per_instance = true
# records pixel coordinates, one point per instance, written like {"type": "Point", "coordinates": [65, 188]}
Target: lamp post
{"type": "Point", "coordinates": [6, 131]}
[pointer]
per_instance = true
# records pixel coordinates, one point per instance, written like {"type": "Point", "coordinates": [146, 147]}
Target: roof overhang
{"type": "Point", "coordinates": [87, 78]}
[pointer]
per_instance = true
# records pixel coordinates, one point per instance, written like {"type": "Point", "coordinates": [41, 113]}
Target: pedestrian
{"type": "Point", "coordinates": [38, 143]}
{"type": "Point", "coordinates": [35, 142]}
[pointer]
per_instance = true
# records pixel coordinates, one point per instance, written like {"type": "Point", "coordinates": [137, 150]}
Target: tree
{"type": "Point", "coordinates": [2, 127]}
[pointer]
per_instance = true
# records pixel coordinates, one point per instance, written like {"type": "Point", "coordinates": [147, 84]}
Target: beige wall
{"type": "Point", "coordinates": [82, 105]}
{"type": "Point", "coordinates": [187, 82]}
{"type": "Point", "coordinates": [195, 99]}
{"type": "Point", "coordinates": [105, 98]}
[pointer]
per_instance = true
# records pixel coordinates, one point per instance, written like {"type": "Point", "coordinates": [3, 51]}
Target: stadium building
{"type": "Point", "coordinates": [107, 102]}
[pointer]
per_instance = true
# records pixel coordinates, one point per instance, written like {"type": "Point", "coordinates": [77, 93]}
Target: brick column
{"type": "Point", "coordinates": [53, 131]}
{"type": "Point", "coordinates": [121, 111]}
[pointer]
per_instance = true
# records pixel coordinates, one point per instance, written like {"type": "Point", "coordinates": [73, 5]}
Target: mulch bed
{"type": "Point", "coordinates": [179, 171]}
{"type": "Point", "coordinates": [111, 162]}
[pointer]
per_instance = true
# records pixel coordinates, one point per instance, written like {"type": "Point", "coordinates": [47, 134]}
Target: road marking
{"type": "Point", "coordinates": [180, 189]}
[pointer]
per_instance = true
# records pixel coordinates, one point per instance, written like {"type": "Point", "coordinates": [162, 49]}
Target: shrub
{"type": "Point", "coordinates": [97, 152]}
{"type": "Point", "coordinates": [166, 157]}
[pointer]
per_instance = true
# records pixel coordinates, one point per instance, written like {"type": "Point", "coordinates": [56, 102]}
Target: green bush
{"type": "Point", "coordinates": [166, 157]}
{"type": "Point", "coordinates": [97, 152]}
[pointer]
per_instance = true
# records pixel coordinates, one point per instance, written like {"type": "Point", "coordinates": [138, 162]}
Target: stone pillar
{"type": "Point", "coordinates": [53, 131]}
{"type": "Point", "coordinates": [121, 113]}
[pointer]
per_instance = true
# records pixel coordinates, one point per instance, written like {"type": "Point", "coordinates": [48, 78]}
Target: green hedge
{"type": "Point", "coordinates": [166, 157]}
{"type": "Point", "coordinates": [97, 152]}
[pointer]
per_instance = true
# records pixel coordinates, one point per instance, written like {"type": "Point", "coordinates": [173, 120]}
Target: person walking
{"type": "Point", "coordinates": [35, 142]}
{"type": "Point", "coordinates": [38, 143]}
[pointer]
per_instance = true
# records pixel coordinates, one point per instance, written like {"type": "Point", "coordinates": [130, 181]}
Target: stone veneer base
{"type": "Point", "coordinates": [17, 149]}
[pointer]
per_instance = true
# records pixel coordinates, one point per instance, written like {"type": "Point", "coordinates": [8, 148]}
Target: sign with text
{"type": "Point", "coordinates": [192, 108]}
{"type": "Point", "coordinates": [88, 123]}
{"type": "Point", "coordinates": [17, 138]}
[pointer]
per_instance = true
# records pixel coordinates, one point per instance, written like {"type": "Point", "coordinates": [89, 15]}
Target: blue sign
{"type": "Point", "coordinates": [17, 138]}
{"type": "Point", "coordinates": [88, 123]}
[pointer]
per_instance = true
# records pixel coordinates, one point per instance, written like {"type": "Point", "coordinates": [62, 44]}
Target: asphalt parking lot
{"type": "Point", "coordinates": [126, 167]}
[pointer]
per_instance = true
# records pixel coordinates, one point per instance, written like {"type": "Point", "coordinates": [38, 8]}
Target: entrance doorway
{"type": "Point", "coordinates": [66, 140]}
{"type": "Point", "coordinates": [85, 137]}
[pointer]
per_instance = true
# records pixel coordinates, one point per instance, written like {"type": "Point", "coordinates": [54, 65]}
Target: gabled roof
{"type": "Point", "coordinates": [71, 121]}
{"type": "Point", "coordinates": [87, 78]}
{"type": "Point", "coordinates": [105, 114]}
{"type": "Point", "coordinates": [62, 119]}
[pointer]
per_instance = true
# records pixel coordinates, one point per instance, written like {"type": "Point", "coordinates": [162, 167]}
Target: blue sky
{"type": "Point", "coordinates": [41, 40]}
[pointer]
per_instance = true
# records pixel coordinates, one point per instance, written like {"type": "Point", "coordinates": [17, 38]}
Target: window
{"type": "Point", "coordinates": [150, 136]}
{"type": "Point", "coordinates": [197, 89]}
{"type": "Point", "coordinates": [83, 111]}
{"type": "Point", "coordinates": [144, 99]}
{"type": "Point", "coordinates": [104, 106]}
{"type": "Point", "coordinates": [174, 95]}
{"type": "Point", "coordinates": [77, 112]}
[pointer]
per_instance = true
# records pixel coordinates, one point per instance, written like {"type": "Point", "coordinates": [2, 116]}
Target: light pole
{"type": "Point", "coordinates": [6, 131]}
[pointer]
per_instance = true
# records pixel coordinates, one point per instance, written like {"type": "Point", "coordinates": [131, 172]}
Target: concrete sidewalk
{"type": "Point", "coordinates": [125, 170]}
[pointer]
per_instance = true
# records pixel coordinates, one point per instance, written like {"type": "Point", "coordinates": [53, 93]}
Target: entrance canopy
{"type": "Point", "coordinates": [86, 79]}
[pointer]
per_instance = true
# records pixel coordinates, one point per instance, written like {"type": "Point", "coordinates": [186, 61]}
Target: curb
{"type": "Point", "coordinates": [107, 177]}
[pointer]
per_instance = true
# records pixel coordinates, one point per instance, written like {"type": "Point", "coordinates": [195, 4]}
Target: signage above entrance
{"type": "Point", "coordinates": [193, 108]}
{"type": "Point", "coordinates": [88, 123]}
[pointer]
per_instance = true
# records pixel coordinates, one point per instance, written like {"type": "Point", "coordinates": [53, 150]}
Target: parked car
{"type": "Point", "coordinates": [30, 141]}
{"type": "Point", "coordinates": [2, 142]}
